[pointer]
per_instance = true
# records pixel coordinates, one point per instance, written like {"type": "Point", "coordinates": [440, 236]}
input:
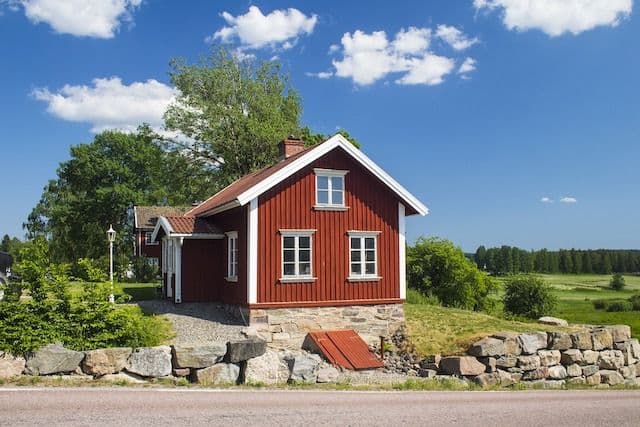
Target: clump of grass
{"type": "Point", "coordinates": [600, 304]}
{"type": "Point", "coordinates": [616, 306]}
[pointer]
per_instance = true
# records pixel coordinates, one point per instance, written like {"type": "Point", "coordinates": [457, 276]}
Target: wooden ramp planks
{"type": "Point", "coordinates": [346, 349]}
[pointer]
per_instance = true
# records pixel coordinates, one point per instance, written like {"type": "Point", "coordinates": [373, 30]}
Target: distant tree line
{"type": "Point", "coordinates": [508, 259]}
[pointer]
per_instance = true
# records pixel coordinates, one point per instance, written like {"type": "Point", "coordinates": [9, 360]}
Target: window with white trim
{"type": "Point", "coordinates": [330, 188]}
{"type": "Point", "coordinates": [147, 239]}
{"type": "Point", "coordinates": [363, 255]}
{"type": "Point", "coordinates": [297, 252]}
{"type": "Point", "coordinates": [232, 256]}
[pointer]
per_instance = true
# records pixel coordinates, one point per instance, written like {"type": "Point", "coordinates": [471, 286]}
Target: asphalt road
{"type": "Point", "coordinates": [177, 407]}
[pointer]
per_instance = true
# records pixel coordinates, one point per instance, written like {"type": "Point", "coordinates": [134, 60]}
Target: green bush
{"type": "Point", "coordinates": [617, 282]}
{"type": "Point", "coordinates": [83, 322]}
{"type": "Point", "coordinates": [600, 304]}
{"type": "Point", "coordinates": [89, 270]}
{"type": "Point", "coordinates": [635, 302]}
{"type": "Point", "coordinates": [416, 297]}
{"type": "Point", "coordinates": [437, 267]}
{"type": "Point", "coordinates": [528, 296]}
{"type": "Point", "coordinates": [615, 306]}
{"type": "Point", "coordinates": [143, 270]}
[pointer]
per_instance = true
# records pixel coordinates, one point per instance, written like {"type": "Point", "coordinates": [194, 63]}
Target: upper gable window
{"type": "Point", "coordinates": [330, 188]}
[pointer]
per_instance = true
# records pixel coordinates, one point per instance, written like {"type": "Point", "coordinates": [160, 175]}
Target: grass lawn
{"type": "Point", "coordinates": [137, 291]}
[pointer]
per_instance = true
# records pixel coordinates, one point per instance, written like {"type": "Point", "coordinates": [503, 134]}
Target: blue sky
{"type": "Point", "coordinates": [516, 123]}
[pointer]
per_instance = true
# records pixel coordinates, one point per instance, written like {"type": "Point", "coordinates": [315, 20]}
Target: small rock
{"type": "Point", "coordinates": [221, 373]}
{"type": "Point", "coordinates": [511, 343]}
{"type": "Point", "coordinates": [601, 339]}
{"type": "Point", "coordinates": [553, 384]}
{"type": "Point", "coordinates": [627, 372]}
{"type": "Point", "coordinates": [554, 321]}
{"type": "Point", "coordinates": [106, 360]}
{"type": "Point", "coordinates": [574, 370]}
{"type": "Point", "coordinates": [611, 377]}
{"type": "Point", "coordinates": [427, 373]}
{"type": "Point", "coordinates": [181, 372]}
{"type": "Point", "coordinates": [632, 382]}
{"type": "Point", "coordinates": [150, 361]}
{"type": "Point", "coordinates": [559, 341]}
{"type": "Point", "coordinates": [125, 377]}
{"type": "Point", "coordinates": [619, 333]}
{"type": "Point", "coordinates": [53, 359]}
{"type": "Point", "coordinates": [581, 340]}
{"type": "Point", "coordinates": [487, 347]}
{"type": "Point", "coordinates": [594, 379]}
{"type": "Point", "coordinates": [239, 351]}
{"type": "Point", "coordinates": [462, 365]}
{"type": "Point", "coordinates": [328, 374]}
{"type": "Point", "coordinates": [557, 372]}
{"type": "Point", "coordinates": [532, 342]}
{"type": "Point", "coordinates": [611, 359]}
{"type": "Point", "coordinates": [590, 357]}
{"type": "Point", "coordinates": [487, 380]}
{"type": "Point", "coordinates": [198, 357]}
{"type": "Point", "coordinates": [489, 362]}
{"type": "Point", "coordinates": [304, 368]}
{"type": "Point", "coordinates": [571, 356]}
{"type": "Point", "coordinates": [577, 381]}
{"type": "Point", "coordinates": [589, 370]}
{"type": "Point", "coordinates": [266, 369]}
{"type": "Point", "coordinates": [529, 363]}
{"type": "Point", "coordinates": [506, 362]}
{"type": "Point", "coordinates": [536, 374]}
{"type": "Point", "coordinates": [11, 366]}
{"type": "Point", "coordinates": [549, 357]}
{"type": "Point", "coordinates": [635, 347]}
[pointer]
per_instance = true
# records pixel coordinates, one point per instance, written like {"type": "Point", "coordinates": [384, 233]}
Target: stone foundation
{"type": "Point", "coordinates": [286, 328]}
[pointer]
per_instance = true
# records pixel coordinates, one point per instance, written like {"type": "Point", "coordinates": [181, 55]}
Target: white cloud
{"type": "Point", "coordinates": [369, 57]}
{"type": "Point", "coordinates": [85, 18]}
{"type": "Point", "coordinates": [467, 66]}
{"type": "Point", "coordinates": [556, 17]}
{"type": "Point", "coordinates": [109, 104]}
{"type": "Point", "coordinates": [254, 30]}
{"type": "Point", "coordinates": [320, 75]}
{"type": "Point", "coordinates": [568, 200]}
{"type": "Point", "coordinates": [334, 48]}
{"type": "Point", "coordinates": [546, 200]}
{"type": "Point", "coordinates": [454, 37]}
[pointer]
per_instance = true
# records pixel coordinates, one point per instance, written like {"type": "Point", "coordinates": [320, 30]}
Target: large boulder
{"type": "Point", "coordinates": [557, 372]}
{"type": "Point", "coordinates": [594, 379]}
{"type": "Point", "coordinates": [574, 370]}
{"type": "Point", "coordinates": [620, 333]}
{"type": "Point", "coordinates": [529, 363]}
{"type": "Point", "coordinates": [635, 347]}
{"type": "Point", "coordinates": [558, 341]}
{"type": "Point", "coordinates": [105, 361]}
{"type": "Point", "coordinates": [536, 374]}
{"type": "Point", "coordinates": [532, 342]}
{"type": "Point", "coordinates": [611, 377]}
{"type": "Point", "coordinates": [303, 367]}
{"type": "Point", "coordinates": [511, 343]}
{"type": "Point", "coordinates": [53, 359]}
{"type": "Point", "coordinates": [328, 374]}
{"type": "Point", "coordinates": [487, 346]}
{"type": "Point", "coordinates": [549, 357]}
{"type": "Point", "coordinates": [553, 321]}
{"type": "Point", "coordinates": [627, 352]}
{"type": "Point", "coordinates": [505, 362]}
{"type": "Point", "coordinates": [590, 357]}
{"type": "Point", "coordinates": [201, 356]}
{"type": "Point", "coordinates": [239, 351]}
{"type": "Point", "coordinates": [581, 340]}
{"type": "Point", "coordinates": [266, 369]}
{"type": "Point", "coordinates": [11, 366]}
{"type": "Point", "coordinates": [221, 373]}
{"type": "Point", "coordinates": [601, 339]}
{"type": "Point", "coordinates": [461, 365]}
{"type": "Point", "coordinates": [150, 361]}
{"type": "Point", "coordinates": [589, 370]}
{"type": "Point", "coordinates": [611, 359]}
{"type": "Point", "coordinates": [571, 356]}
{"type": "Point", "coordinates": [500, 378]}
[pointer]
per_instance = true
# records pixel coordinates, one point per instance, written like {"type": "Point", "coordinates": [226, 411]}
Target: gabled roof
{"type": "Point", "coordinates": [147, 216]}
{"type": "Point", "coordinates": [186, 226]}
{"type": "Point", "coordinates": [242, 191]}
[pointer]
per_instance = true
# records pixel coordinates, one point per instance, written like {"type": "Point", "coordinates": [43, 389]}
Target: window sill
{"type": "Point", "coordinates": [330, 208]}
{"type": "Point", "coordinates": [231, 279]}
{"type": "Point", "coordinates": [304, 279]}
{"type": "Point", "coordinates": [151, 243]}
{"type": "Point", "coordinates": [364, 278]}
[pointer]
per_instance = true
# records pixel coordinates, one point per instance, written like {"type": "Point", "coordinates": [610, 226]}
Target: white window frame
{"type": "Point", "coordinates": [297, 278]}
{"type": "Point", "coordinates": [147, 239]}
{"type": "Point", "coordinates": [363, 276]}
{"type": "Point", "coordinates": [232, 256]}
{"type": "Point", "coordinates": [331, 173]}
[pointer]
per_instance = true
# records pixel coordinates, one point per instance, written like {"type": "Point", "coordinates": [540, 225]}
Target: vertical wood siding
{"type": "Point", "coordinates": [289, 205]}
{"type": "Point", "coordinates": [202, 270]}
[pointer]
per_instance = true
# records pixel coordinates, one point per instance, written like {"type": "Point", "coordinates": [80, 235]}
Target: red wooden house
{"type": "Point", "coordinates": [323, 228]}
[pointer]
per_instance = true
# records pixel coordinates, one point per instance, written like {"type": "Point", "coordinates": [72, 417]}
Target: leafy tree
{"type": "Point", "coordinates": [617, 282]}
{"type": "Point", "coordinates": [100, 183]}
{"type": "Point", "coordinates": [480, 257]}
{"type": "Point", "coordinates": [437, 267]}
{"type": "Point", "coordinates": [11, 246]}
{"type": "Point", "coordinates": [529, 296]}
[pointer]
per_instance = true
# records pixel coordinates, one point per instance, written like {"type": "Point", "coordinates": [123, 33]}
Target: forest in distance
{"type": "Point", "coordinates": [509, 259]}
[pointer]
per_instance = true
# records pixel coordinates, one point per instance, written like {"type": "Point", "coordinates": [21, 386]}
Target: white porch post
{"type": "Point", "coordinates": [178, 248]}
{"type": "Point", "coordinates": [402, 239]}
{"type": "Point", "coordinates": [252, 252]}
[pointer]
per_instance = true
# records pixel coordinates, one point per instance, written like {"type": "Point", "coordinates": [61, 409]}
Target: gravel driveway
{"type": "Point", "coordinates": [196, 323]}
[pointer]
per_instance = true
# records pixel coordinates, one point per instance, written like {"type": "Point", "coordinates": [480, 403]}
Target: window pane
{"type": "Point", "coordinates": [356, 269]}
{"type": "Point", "coordinates": [289, 242]}
{"type": "Point", "coordinates": [304, 242]}
{"type": "Point", "coordinates": [323, 197]}
{"type": "Point", "coordinates": [355, 243]}
{"type": "Point", "coordinates": [337, 183]}
{"type": "Point", "coordinates": [289, 256]}
{"type": "Point", "coordinates": [304, 255]}
{"type": "Point", "coordinates": [305, 269]}
{"type": "Point", "coordinates": [370, 268]}
{"type": "Point", "coordinates": [323, 182]}
{"type": "Point", "coordinates": [289, 269]}
{"type": "Point", "coordinates": [336, 198]}
{"type": "Point", "coordinates": [355, 256]}
{"type": "Point", "coordinates": [370, 256]}
{"type": "Point", "coordinates": [369, 243]}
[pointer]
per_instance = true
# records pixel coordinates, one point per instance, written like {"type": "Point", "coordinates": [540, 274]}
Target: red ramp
{"type": "Point", "coordinates": [345, 349]}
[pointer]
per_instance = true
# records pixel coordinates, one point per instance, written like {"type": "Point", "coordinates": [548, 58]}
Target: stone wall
{"type": "Point", "coordinates": [286, 328]}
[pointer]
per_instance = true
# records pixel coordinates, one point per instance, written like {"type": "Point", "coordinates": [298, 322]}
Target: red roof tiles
{"type": "Point", "coordinates": [191, 225]}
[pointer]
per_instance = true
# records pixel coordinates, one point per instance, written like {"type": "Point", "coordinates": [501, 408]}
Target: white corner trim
{"type": "Point", "coordinates": [164, 224]}
{"type": "Point", "coordinates": [402, 240]}
{"type": "Point", "coordinates": [252, 252]}
{"type": "Point", "coordinates": [178, 296]}
{"type": "Point", "coordinates": [335, 141]}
